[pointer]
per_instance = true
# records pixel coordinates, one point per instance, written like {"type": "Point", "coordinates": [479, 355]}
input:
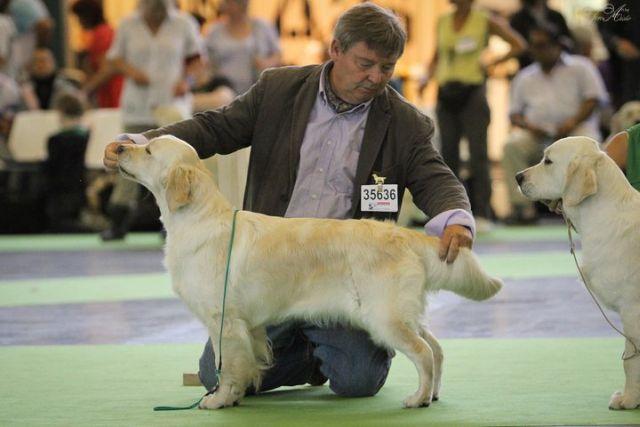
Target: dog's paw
{"type": "Point", "coordinates": [416, 401]}
{"type": "Point", "coordinates": [217, 401]}
{"type": "Point", "coordinates": [620, 401]}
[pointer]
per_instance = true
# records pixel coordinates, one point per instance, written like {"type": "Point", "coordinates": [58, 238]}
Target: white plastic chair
{"type": "Point", "coordinates": [29, 134]}
{"type": "Point", "coordinates": [105, 125]}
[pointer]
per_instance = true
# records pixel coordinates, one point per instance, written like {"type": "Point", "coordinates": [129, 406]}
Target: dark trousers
{"type": "Point", "coordinates": [354, 365]}
{"type": "Point", "coordinates": [471, 120]}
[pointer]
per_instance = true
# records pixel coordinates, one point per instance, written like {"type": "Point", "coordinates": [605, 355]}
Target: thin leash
{"type": "Point", "coordinates": [224, 301]}
{"type": "Point", "coordinates": [586, 285]}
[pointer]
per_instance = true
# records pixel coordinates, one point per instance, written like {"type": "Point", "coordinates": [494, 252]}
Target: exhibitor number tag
{"type": "Point", "coordinates": [379, 198]}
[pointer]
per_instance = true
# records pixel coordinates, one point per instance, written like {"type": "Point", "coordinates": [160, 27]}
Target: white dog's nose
{"type": "Point", "coordinates": [520, 177]}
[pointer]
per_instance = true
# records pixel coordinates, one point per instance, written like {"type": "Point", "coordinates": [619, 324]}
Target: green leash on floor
{"type": "Point", "coordinates": [224, 301]}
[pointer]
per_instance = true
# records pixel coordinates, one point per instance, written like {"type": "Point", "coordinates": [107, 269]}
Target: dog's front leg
{"type": "Point", "coordinates": [238, 368]}
{"type": "Point", "coordinates": [227, 394]}
{"type": "Point", "coordinates": [630, 398]}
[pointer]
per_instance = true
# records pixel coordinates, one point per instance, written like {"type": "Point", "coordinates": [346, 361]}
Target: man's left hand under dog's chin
{"type": "Point", "coordinates": [453, 238]}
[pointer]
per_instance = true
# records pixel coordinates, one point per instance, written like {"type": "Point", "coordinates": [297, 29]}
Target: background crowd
{"type": "Point", "coordinates": [163, 64]}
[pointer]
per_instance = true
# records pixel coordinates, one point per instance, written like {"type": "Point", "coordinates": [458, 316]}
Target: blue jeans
{"type": "Point", "coordinates": [354, 365]}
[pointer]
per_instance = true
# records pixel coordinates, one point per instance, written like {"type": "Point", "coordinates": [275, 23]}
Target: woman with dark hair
{"type": "Point", "coordinates": [462, 108]}
{"type": "Point", "coordinates": [107, 87]}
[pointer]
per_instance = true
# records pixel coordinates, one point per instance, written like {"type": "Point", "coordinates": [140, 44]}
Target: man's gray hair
{"type": "Point", "coordinates": [378, 27]}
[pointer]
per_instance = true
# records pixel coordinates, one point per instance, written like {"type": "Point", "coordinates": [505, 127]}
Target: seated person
{"type": "Point", "coordinates": [45, 81]}
{"type": "Point", "coordinates": [624, 149]}
{"type": "Point", "coordinates": [554, 97]}
{"type": "Point", "coordinates": [64, 168]}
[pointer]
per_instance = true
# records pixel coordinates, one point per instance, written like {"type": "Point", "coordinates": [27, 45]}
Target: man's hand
{"type": "Point", "coordinates": [453, 238]}
{"type": "Point", "coordinates": [260, 63]}
{"type": "Point", "coordinates": [139, 77]}
{"type": "Point", "coordinates": [627, 50]}
{"type": "Point", "coordinates": [566, 128]}
{"type": "Point", "coordinates": [180, 88]}
{"type": "Point", "coordinates": [110, 159]}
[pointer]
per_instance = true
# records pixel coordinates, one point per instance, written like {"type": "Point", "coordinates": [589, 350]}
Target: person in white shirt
{"type": "Point", "coordinates": [153, 49]}
{"type": "Point", "coordinates": [554, 97]}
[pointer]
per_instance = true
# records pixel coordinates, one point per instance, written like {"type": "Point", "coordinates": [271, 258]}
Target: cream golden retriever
{"type": "Point", "coordinates": [605, 210]}
{"type": "Point", "coordinates": [368, 274]}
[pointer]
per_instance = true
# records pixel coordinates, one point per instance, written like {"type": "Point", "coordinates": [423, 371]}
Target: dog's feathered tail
{"type": "Point", "coordinates": [465, 276]}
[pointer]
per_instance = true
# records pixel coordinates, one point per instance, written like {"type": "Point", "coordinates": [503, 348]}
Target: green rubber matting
{"type": "Point", "coordinates": [77, 242]}
{"type": "Point", "coordinates": [71, 290]}
{"type": "Point", "coordinates": [486, 382]}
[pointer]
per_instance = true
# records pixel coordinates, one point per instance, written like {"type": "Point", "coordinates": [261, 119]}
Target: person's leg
{"type": "Point", "coordinates": [122, 204]}
{"type": "Point", "coordinates": [521, 150]}
{"type": "Point", "coordinates": [352, 362]}
{"type": "Point", "coordinates": [123, 200]}
{"type": "Point", "coordinates": [354, 365]}
{"type": "Point", "coordinates": [293, 360]}
{"type": "Point", "coordinates": [450, 134]}
{"type": "Point", "coordinates": [475, 122]}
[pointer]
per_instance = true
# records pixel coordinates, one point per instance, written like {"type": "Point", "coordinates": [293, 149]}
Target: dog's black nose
{"type": "Point", "coordinates": [519, 178]}
{"type": "Point", "coordinates": [120, 149]}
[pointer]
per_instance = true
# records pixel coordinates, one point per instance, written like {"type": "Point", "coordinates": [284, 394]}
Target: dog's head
{"type": "Point", "coordinates": [566, 172]}
{"type": "Point", "coordinates": [627, 116]}
{"type": "Point", "coordinates": [167, 166]}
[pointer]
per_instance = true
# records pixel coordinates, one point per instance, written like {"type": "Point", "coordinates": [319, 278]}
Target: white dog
{"type": "Point", "coordinates": [368, 274]}
{"type": "Point", "coordinates": [605, 210]}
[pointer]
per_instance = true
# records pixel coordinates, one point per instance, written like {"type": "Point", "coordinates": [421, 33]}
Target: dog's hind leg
{"type": "Point", "coordinates": [438, 358]}
{"type": "Point", "coordinates": [400, 336]}
{"type": "Point", "coordinates": [630, 398]}
{"type": "Point", "coordinates": [239, 367]}
{"type": "Point", "coordinates": [262, 353]}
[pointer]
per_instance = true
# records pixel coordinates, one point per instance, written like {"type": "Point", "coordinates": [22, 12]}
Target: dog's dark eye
{"type": "Point", "coordinates": [547, 161]}
{"type": "Point", "coordinates": [147, 150]}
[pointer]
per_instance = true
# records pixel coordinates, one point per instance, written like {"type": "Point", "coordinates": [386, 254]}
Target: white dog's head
{"type": "Point", "coordinates": [169, 167]}
{"type": "Point", "coordinates": [567, 171]}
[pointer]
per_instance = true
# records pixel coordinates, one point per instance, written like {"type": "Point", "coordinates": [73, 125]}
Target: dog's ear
{"type": "Point", "coordinates": [179, 187]}
{"type": "Point", "coordinates": [581, 180]}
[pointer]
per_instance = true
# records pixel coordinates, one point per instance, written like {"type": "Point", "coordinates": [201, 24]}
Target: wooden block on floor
{"type": "Point", "coordinates": [190, 380]}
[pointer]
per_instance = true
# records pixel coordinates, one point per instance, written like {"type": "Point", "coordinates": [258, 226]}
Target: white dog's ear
{"type": "Point", "coordinates": [581, 181]}
{"type": "Point", "coordinates": [180, 186]}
